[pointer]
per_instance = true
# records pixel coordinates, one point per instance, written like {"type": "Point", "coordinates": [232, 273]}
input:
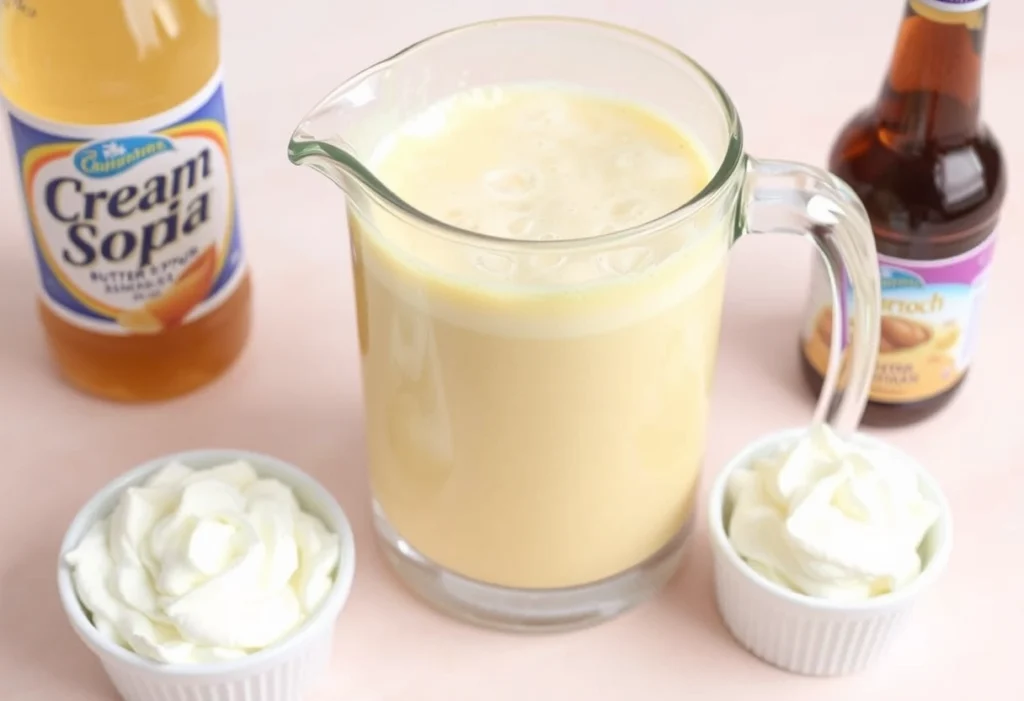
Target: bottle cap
{"type": "Point", "coordinates": [955, 5]}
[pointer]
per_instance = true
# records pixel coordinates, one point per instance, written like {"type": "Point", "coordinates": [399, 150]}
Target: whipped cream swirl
{"type": "Point", "coordinates": [830, 519]}
{"type": "Point", "coordinates": [204, 565]}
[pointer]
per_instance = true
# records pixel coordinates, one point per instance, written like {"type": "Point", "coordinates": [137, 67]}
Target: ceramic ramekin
{"type": "Point", "coordinates": [807, 635]}
{"type": "Point", "coordinates": [284, 671]}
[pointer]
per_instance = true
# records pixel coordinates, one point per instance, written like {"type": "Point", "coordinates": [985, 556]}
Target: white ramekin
{"type": "Point", "coordinates": [284, 671]}
{"type": "Point", "coordinates": [803, 634]}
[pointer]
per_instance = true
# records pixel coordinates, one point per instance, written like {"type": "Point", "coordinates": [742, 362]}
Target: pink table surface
{"type": "Point", "coordinates": [796, 69]}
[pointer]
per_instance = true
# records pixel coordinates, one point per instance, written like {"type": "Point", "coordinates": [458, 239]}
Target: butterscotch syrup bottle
{"type": "Point", "coordinates": [117, 116]}
{"type": "Point", "coordinates": [932, 179]}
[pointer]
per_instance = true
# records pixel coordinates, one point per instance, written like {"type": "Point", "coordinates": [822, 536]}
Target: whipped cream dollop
{"type": "Point", "coordinates": [204, 565]}
{"type": "Point", "coordinates": [830, 519]}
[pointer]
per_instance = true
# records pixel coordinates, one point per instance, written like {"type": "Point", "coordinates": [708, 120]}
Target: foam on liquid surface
{"type": "Point", "coordinates": [538, 163]}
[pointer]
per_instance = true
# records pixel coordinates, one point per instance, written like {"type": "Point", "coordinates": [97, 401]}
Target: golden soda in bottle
{"type": "Point", "coordinates": [117, 118]}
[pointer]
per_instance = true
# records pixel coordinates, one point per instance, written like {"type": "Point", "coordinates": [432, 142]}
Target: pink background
{"type": "Point", "coordinates": [796, 69]}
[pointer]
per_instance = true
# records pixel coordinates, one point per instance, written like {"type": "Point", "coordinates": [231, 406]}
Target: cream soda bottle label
{"type": "Point", "coordinates": [135, 226]}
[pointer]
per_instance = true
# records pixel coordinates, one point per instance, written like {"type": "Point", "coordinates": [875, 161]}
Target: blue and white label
{"type": "Point", "coordinates": [135, 226]}
{"type": "Point", "coordinates": [108, 157]}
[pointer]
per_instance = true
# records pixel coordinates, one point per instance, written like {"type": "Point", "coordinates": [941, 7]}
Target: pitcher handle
{"type": "Point", "coordinates": [793, 198]}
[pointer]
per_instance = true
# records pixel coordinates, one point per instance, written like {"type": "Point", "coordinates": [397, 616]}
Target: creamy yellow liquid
{"type": "Point", "coordinates": [536, 418]}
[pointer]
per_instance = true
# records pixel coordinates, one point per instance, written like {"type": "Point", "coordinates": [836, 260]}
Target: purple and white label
{"type": "Point", "coordinates": [929, 322]}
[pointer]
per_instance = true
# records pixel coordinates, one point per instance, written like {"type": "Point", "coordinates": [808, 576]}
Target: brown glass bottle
{"type": "Point", "coordinates": [932, 179]}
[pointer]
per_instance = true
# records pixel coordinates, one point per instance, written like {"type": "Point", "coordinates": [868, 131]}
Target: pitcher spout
{"type": "Point", "coordinates": [337, 136]}
{"type": "Point", "coordinates": [333, 158]}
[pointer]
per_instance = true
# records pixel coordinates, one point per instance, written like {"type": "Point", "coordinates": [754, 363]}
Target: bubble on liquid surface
{"type": "Point", "coordinates": [521, 227]}
{"type": "Point", "coordinates": [512, 183]}
{"type": "Point", "coordinates": [496, 264]}
{"type": "Point", "coordinates": [626, 261]}
{"type": "Point", "coordinates": [540, 263]}
{"type": "Point", "coordinates": [462, 218]}
{"type": "Point", "coordinates": [629, 211]}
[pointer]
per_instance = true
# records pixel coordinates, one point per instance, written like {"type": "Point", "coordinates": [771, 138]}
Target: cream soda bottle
{"type": "Point", "coordinates": [117, 120]}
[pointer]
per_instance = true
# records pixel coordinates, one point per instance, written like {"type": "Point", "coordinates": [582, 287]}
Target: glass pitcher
{"type": "Point", "coordinates": [536, 410]}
